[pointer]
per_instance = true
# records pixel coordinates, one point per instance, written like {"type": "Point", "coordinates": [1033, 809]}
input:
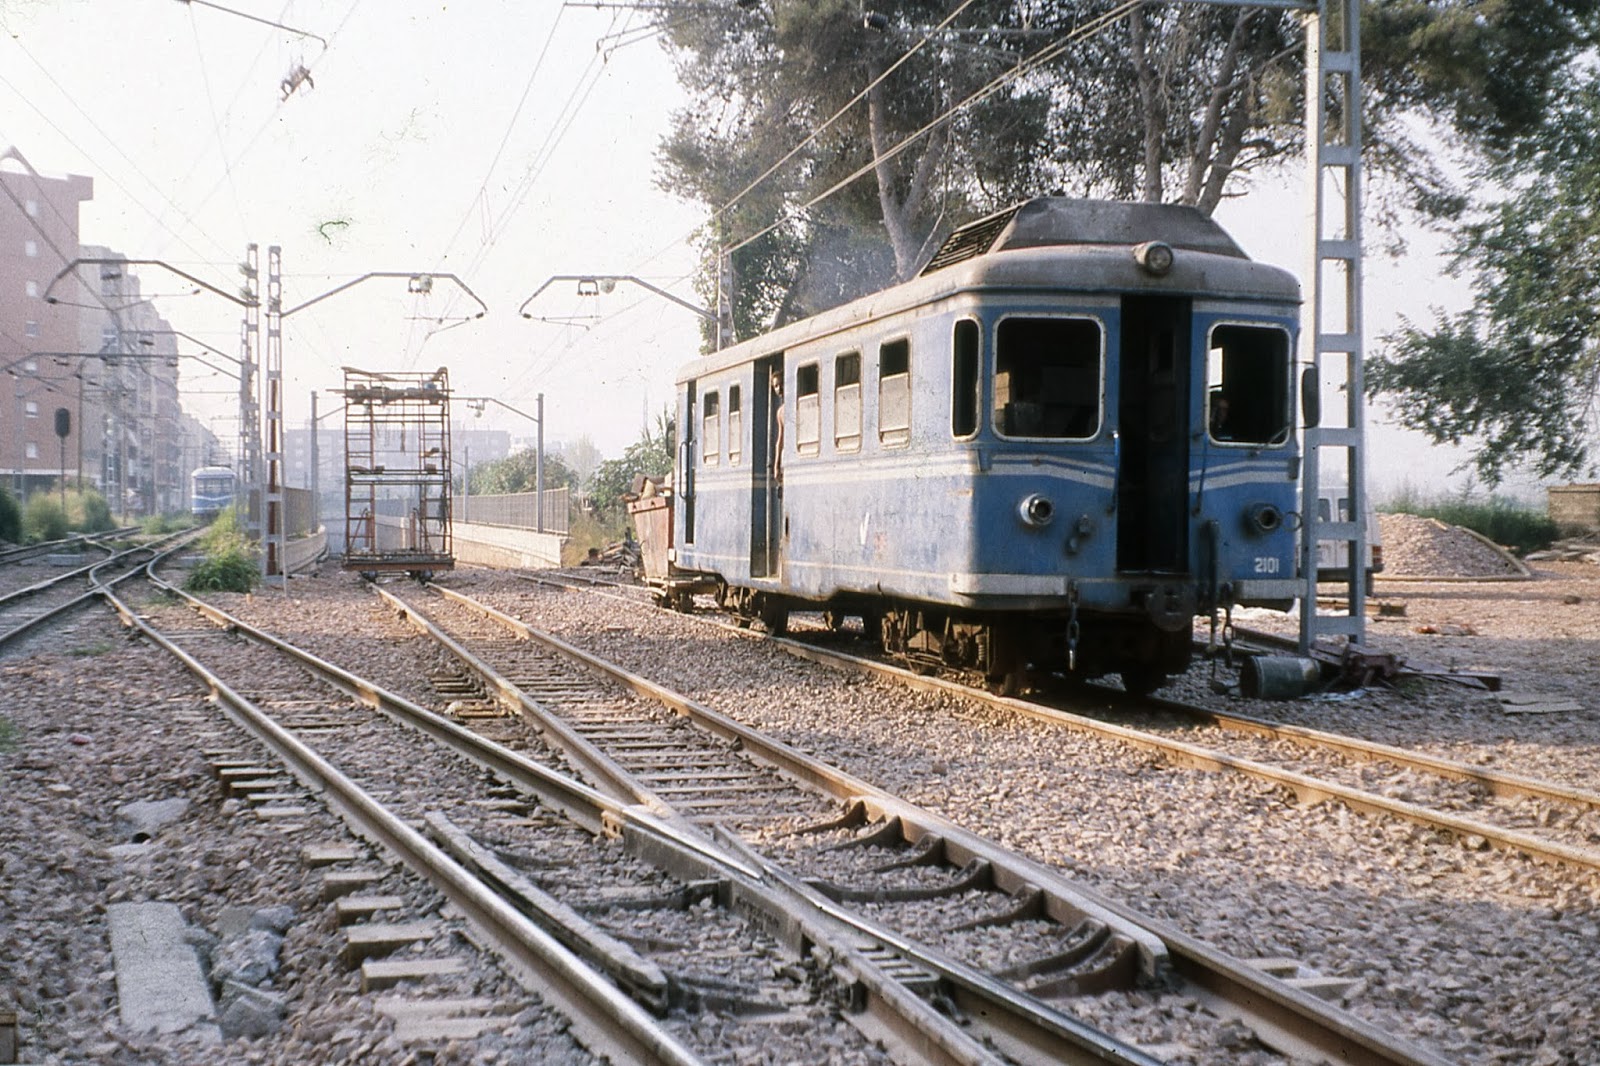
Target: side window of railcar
{"type": "Point", "coordinates": [964, 380]}
{"type": "Point", "coordinates": [894, 392]}
{"type": "Point", "coordinates": [735, 425]}
{"type": "Point", "coordinates": [1047, 378]}
{"type": "Point", "coordinates": [847, 402]}
{"type": "Point", "coordinates": [1247, 385]}
{"type": "Point", "coordinates": [710, 437]}
{"type": "Point", "coordinates": [807, 410]}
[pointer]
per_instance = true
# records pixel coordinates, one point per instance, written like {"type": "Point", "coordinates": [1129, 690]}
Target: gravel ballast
{"type": "Point", "coordinates": [1483, 956]}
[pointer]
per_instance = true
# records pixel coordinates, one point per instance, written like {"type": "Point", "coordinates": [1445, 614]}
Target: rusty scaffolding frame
{"type": "Point", "coordinates": [397, 465]}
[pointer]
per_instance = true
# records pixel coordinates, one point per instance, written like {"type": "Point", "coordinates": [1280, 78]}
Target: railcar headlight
{"type": "Point", "coordinates": [1263, 518]}
{"type": "Point", "coordinates": [1036, 511]}
{"type": "Point", "coordinates": [1155, 257]}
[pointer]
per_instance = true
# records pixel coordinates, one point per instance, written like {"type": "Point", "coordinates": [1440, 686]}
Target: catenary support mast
{"type": "Point", "coordinates": [1333, 323]}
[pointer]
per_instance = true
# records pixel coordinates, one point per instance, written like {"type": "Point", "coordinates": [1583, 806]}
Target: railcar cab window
{"type": "Point", "coordinates": [894, 392]}
{"type": "Point", "coordinates": [847, 402]}
{"type": "Point", "coordinates": [1247, 385]}
{"type": "Point", "coordinates": [710, 434]}
{"type": "Point", "coordinates": [1047, 378]}
{"type": "Point", "coordinates": [964, 379]}
{"type": "Point", "coordinates": [735, 424]}
{"type": "Point", "coordinates": [807, 410]}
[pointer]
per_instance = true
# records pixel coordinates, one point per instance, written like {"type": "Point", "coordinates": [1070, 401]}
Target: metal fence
{"type": "Point", "coordinates": [516, 509]}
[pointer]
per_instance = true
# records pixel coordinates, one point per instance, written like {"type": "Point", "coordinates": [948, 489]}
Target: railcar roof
{"type": "Point", "coordinates": [1051, 220]}
{"type": "Point", "coordinates": [1051, 244]}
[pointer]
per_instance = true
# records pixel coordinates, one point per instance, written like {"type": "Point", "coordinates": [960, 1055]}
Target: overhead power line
{"type": "Point", "coordinates": [1045, 55]}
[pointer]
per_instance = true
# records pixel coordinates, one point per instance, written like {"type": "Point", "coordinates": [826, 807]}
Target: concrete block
{"type": "Point", "coordinates": [336, 883]}
{"type": "Point", "coordinates": [160, 987]}
{"type": "Point", "coordinates": [352, 909]}
{"type": "Point", "coordinates": [381, 938]}
{"type": "Point", "coordinates": [386, 973]}
{"type": "Point", "coordinates": [317, 855]}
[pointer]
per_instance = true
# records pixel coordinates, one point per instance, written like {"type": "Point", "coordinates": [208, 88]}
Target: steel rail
{"type": "Point", "coordinates": [921, 1031]}
{"type": "Point", "coordinates": [1284, 1017]}
{"type": "Point", "coordinates": [1493, 781]}
{"type": "Point", "coordinates": [1016, 1017]}
{"type": "Point", "coordinates": [20, 552]}
{"type": "Point", "coordinates": [91, 572]}
{"type": "Point", "coordinates": [925, 1034]}
{"type": "Point", "coordinates": [604, 1019]}
{"type": "Point", "coordinates": [1307, 789]}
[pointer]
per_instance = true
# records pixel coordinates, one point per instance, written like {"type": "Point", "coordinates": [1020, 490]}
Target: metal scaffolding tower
{"type": "Point", "coordinates": [397, 467]}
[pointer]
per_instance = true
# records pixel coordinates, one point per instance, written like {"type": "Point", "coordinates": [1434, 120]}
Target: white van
{"type": "Point", "coordinates": [1333, 557]}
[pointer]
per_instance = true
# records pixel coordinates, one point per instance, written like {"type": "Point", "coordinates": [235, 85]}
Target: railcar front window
{"type": "Point", "coordinates": [847, 402]}
{"type": "Point", "coordinates": [735, 425]}
{"type": "Point", "coordinates": [1247, 385]}
{"type": "Point", "coordinates": [710, 435]}
{"type": "Point", "coordinates": [1047, 378]}
{"type": "Point", "coordinates": [894, 392]}
{"type": "Point", "coordinates": [807, 411]}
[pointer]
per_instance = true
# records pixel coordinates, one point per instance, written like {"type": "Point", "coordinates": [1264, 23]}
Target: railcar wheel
{"type": "Point", "coordinates": [775, 616]}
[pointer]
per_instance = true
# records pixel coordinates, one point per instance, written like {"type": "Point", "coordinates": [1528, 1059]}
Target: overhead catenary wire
{"type": "Point", "coordinates": [267, 123]}
{"type": "Point", "coordinates": [481, 196]}
{"type": "Point", "coordinates": [109, 172]}
{"type": "Point", "coordinates": [216, 122]}
{"type": "Point", "coordinates": [811, 136]}
{"type": "Point", "coordinates": [1096, 25]}
{"type": "Point", "coordinates": [560, 126]}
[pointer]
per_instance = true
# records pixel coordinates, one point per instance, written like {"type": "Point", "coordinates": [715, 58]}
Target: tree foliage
{"type": "Point", "coordinates": [517, 473]}
{"type": "Point", "coordinates": [1171, 102]}
{"type": "Point", "coordinates": [1517, 374]}
{"type": "Point", "coordinates": [649, 456]}
{"type": "Point", "coordinates": [10, 517]}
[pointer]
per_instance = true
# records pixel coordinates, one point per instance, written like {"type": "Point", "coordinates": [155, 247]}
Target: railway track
{"type": "Point", "coordinates": [370, 770]}
{"type": "Point", "coordinates": [800, 911]}
{"type": "Point", "coordinates": [1549, 821]}
{"type": "Point", "coordinates": [1282, 1015]}
{"type": "Point", "coordinates": [33, 606]}
{"type": "Point", "coordinates": [24, 553]}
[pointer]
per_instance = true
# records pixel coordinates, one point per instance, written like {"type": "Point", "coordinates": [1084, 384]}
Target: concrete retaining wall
{"type": "Point", "coordinates": [499, 547]}
{"type": "Point", "coordinates": [300, 553]}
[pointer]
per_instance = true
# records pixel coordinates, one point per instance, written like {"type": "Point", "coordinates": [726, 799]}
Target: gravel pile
{"type": "Point", "coordinates": [1426, 547]}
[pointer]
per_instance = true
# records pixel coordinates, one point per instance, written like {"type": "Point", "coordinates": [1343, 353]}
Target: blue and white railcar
{"type": "Point", "coordinates": [211, 490]}
{"type": "Point", "coordinates": [1070, 435]}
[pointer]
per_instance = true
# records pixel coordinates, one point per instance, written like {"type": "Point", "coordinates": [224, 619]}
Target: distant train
{"type": "Point", "coordinates": [211, 491]}
{"type": "Point", "coordinates": [1070, 435]}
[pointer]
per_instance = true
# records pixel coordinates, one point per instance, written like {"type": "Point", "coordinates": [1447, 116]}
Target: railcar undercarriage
{"type": "Point", "coordinates": [1009, 651]}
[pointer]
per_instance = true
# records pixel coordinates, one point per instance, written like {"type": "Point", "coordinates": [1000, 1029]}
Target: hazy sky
{"type": "Point", "coordinates": [505, 141]}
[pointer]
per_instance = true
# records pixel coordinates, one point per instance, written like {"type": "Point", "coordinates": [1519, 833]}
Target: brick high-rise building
{"type": "Point", "coordinates": [38, 237]}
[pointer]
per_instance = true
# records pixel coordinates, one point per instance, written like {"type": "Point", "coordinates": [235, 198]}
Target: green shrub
{"type": "Point", "coordinates": [226, 531]}
{"type": "Point", "coordinates": [590, 530]}
{"type": "Point", "coordinates": [10, 517]}
{"type": "Point", "coordinates": [43, 519]}
{"type": "Point", "coordinates": [93, 513]}
{"type": "Point", "coordinates": [159, 525]}
{"type": "Point", "coordinates": [231, 570]}
{"type": "Point", "coordinates": [230, 564]}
